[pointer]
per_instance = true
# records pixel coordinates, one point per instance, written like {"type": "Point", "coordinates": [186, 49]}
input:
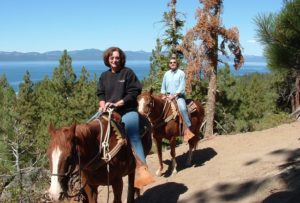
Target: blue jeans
{"type": "Point", "coordinates": [131, 121]}
{"type": "Point", "coordinates": [183, 110]}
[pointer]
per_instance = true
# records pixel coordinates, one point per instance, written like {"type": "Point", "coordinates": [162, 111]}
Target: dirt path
{"type": "Point", "coordinates": [262, 166]}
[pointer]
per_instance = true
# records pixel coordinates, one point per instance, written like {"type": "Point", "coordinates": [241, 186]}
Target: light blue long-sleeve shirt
{"type": "Point", "coordinates": [173, 82]}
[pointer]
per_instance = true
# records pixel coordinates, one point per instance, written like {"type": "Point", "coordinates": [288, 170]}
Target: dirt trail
{"type": "Point", "coordinates": [261, 166]}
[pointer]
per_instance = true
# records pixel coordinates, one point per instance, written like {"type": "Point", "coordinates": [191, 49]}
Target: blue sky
{"type": "Point", "coordinates": [40, 26]}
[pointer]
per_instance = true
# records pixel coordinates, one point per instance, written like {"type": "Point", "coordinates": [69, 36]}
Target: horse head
{"type": "Point", "coordinates": [62, 157]}
{"type": "Point", "coordinates": [145, 103]}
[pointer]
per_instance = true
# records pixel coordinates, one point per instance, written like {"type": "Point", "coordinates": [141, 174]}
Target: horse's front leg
{"type": "Point", "coordinates": [173, 155]}
{"type": "Point", "coordinates": [158, 142]}
{"type": "Point", "coordinates": [92, 194]}
{"type": "Point", "coordinates": [192, 147]}
{"type": "Point", "coordinates": [131, 190]}
{"type": "Point", "coordinates": [117, 187]}
{"type": "Point", "coordinates": [189, 157]}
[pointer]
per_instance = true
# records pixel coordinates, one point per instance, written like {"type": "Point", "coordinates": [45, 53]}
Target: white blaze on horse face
{"type": "Point", "coordinates": [55, 188]}
{"type": "Point", "coordinates": [141, 106]}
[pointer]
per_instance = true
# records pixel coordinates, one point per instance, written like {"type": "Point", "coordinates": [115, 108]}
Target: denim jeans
{"type": "Point", "coordinates": [183, 110]}
{"type": "Point", "coordinates": [131, 121]}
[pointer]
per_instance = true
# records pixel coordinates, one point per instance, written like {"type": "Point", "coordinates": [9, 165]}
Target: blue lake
{"type": "Point", "coordinates": [15, 70]}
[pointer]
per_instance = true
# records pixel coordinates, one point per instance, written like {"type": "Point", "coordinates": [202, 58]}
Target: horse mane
{"type": "Point", "coordinates": [62, 137]}
{"type": "Point", "coordinates": [87, 132]}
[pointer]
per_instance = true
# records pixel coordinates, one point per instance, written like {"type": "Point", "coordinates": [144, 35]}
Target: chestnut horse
{"type": "Point", "coordinates": [166, 123]}
{"type": "Point", "coordinates": [97, 152]}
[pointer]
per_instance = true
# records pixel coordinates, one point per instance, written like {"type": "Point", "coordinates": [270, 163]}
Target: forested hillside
{"type": "Point", "coordinates": [238, 104]}
{"type": "Point", "coordinates": [245, 103]}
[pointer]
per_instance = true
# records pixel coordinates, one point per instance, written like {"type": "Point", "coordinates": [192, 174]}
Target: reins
{"type": "Point", "coordinates": [107, 155]}
{"type": "Point", "coordinates": [156, 123]}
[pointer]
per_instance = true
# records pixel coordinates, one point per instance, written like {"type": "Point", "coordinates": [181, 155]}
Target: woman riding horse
{"type": "Point", "coordinates": [84, 156]}
{"type": "Point", "coordinates": [118, 88]}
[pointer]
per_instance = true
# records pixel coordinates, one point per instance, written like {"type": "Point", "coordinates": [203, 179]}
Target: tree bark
{"type": "Point", "coordinates": [297, 92]}
{"type": "Point", "coordinates": [211, 104]}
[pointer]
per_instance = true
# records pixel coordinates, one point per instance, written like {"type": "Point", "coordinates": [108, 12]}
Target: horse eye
{"type": "Point", "coordinates": [69, 159]}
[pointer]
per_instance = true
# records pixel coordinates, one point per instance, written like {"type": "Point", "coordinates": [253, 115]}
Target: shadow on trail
{"type": "Point", "coordinates": [200, 156]}
{"type": "Point", "coordinates": [237, 192]}
{"type": "Point", "coordinates": [165, 193]}
{"type": "Point", "coordinates": [227, 192]}
{"type": "Point", "coordinates": [291, 177]}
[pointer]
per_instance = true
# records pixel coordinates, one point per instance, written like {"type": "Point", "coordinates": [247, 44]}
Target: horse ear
{"type": "Point", "coordinates": [73, 133]}
{"type": "Point", "coordinates": [51, 128]}
{"type": "Point", "coordinates": [73, 128]}
{"type": "Point", "coordinates": [151, 90]}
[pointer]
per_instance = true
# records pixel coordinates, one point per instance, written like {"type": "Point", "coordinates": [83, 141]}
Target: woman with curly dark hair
{"type": "Point", "coordinates": [118, 88]}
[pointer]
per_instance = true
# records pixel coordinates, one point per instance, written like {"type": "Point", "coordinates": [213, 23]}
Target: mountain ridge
{"type": "Point", "coordinates": [91, 54]}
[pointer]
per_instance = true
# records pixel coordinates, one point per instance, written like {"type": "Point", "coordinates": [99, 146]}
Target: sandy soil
{"type": "Point", "coordinates": [261, 166]}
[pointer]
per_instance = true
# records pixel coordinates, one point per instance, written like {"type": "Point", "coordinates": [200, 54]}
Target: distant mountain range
{"type": "Point", "coordinates": [88, 54]}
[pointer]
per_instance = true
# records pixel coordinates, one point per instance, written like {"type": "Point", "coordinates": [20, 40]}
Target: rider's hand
{"type": "Point", "coordinates": [171, 96]}
{"type": "Point", "coordinates": [101, 109]}
{"type": "Point", "coordinates": [163, 96]}
{"type": "Point", "coordinates": [102, 106]}
{"type": "Point", "coordinates": [110, 105]}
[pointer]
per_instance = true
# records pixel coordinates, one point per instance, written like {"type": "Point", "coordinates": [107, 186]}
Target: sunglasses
{"type": "Point", "coordinates": [172, 62]}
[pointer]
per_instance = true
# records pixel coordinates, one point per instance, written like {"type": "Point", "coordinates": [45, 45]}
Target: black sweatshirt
{"type": "Point", "coordinates": [123, 84]}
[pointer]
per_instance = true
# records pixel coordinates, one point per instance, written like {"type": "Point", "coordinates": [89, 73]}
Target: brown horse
{"type": "Point", "coordinates": [98, 153]}
{"type": "Point", "coordinates": [166, 124]}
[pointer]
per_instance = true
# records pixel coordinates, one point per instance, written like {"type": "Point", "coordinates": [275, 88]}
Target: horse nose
{"type": "Point", "coordinates": [53, 195]}
{"type": "Point", "coordinates": [140, 109]}
{"type": "Point", "coordinates": [142, 113]}
{"type": "Point", "coordinates": [47, 197]}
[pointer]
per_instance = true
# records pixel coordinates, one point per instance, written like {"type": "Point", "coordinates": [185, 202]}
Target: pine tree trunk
{"type": "Point", "coordinates": [212, 86]}
{"type": "Point", "coordinates": [173, 48]}
{"type": "Point", "coordinates": [297, 93]}
{"type": "Point", "coordinates": [211, 104]}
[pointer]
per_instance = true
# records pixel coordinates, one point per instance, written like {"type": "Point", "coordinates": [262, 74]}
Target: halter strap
{"type": "Point", "coordinates": [164, 112]}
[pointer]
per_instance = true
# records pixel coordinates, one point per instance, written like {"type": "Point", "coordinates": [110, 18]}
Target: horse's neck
{"type": "Point", "coordinates": [88, 136]}
{"type": "Point", "coordinates": [159, 108]}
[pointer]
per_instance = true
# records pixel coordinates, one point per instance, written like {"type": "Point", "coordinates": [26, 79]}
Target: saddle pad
{"type": "Point", "coordinates": [192, 107]}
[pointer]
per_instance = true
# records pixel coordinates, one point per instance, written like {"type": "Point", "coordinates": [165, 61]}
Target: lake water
{"type": "Point", "coordinates": [14, 71]}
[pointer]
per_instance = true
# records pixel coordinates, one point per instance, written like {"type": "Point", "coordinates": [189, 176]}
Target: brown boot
{"type": "Point", "coordinates": [142, 177]}
{"type": "Point", "coordinates": [188, 134]}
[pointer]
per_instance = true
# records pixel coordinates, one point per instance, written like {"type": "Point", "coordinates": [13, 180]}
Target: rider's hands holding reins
{"type": "Point", "coordinates": [169, 96]}
{"type": "Point", "coordinates": [104, 106]}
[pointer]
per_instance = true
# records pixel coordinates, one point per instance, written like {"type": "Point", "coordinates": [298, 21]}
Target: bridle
{"type": "Point", "coordinates": [162, 117]}
{"type": "Point", "coordinates": [72, 173]}
{"type": "Point", "coordinates": [151, 106]}
{"type": "Point", "coordinates": [106, 156]}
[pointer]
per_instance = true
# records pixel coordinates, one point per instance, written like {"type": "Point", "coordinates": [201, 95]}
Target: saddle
{"type": "Point", "coordinates": [119, 127]}
{"type": "Point", "coordinates": [116, 124]}
{"type": "Point", "coordinates": [191, 107]}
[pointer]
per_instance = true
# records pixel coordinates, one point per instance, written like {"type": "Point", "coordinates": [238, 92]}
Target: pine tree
{"type": "Point", "coordinates": [27, 108]}
{"type": "Point", "coordinates": [279, 33]}
{"type": "Point", "coordinates": [7, 103]}
{"type": "Point", "coordinates": [201, 48]}
{"type": "Point", "coordinates": [18, 135]}
{"type": "Point", "coordinates": [165, 47]}
{"type": "Point", "coordinates": [63, 85]}
{"type": "Point", "coordinates": [84, 104]}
